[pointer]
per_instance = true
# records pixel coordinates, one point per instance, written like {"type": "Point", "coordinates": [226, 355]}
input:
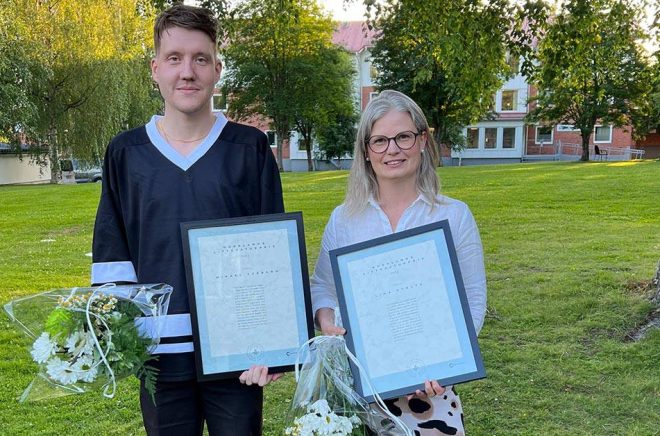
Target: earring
{"type": "Point", "coordinates": [423, 149]}
{"type": "Point", "coordinates": [367, 159]}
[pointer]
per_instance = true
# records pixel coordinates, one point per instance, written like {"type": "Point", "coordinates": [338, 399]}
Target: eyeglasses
{"type": "Point", "coordinates": [404, 140]}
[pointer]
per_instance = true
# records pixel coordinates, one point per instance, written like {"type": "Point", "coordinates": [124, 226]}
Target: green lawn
{"type": "Point", "coordinates": [569, 248]}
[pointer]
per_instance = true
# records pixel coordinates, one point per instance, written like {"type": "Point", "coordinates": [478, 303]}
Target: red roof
{"type": "Point", "coordinates": [354, 36]}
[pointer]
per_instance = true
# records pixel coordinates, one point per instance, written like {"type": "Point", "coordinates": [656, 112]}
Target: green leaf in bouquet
{"type": "Point", "coordinates": [60, 324]}
{"type": "Point", "coordinates": [149, 374]}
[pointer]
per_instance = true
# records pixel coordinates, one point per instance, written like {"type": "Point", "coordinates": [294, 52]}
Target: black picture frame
{"type": "Point", "coordinates": [376, 292]}
{"type": "Point", "coordinates": [247, 233]}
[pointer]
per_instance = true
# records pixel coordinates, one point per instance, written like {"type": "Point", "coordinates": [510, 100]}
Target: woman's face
{"type": "Point", "coordinates": [393, 163]}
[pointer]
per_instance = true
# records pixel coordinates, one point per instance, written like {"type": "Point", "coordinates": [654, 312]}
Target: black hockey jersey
{"type": "Point", "coordinates": [149, 189]}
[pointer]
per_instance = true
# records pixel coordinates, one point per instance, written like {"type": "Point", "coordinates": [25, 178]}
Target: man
{"type": "Point", "coordinates": [187, 165]}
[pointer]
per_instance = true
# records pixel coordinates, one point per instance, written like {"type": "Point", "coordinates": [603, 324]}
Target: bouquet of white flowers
{"type": "Point", "coordinates": [321, 420]}
{"type": "Point", "coordinates": [325, 402]}
{"type": "Point", "coordinates": [87, 338]}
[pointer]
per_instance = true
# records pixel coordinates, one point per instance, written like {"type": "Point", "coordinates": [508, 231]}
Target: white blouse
{"type": "Point", "coordinates": [343, 230]}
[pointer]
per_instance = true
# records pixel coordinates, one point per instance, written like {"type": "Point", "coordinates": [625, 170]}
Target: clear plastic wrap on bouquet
{"type": "Point", "coordinates": [325, 402]}
{"type": "Point", "coordinates": [88, 338]}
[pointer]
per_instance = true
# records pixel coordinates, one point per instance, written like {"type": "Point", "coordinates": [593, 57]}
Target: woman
{"type": "Point", "coordinates": [393, 187]}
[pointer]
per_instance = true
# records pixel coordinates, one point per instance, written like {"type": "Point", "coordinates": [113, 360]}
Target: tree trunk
{"type": "Point", "coordinates": [53, 155]}
{"type": "Point", "coordinates": [280, 142]}
{"type": "Point", "coordinates": [585, 146]}
{"type": "Point", "coordinates": [308, 144]}
{"type": "Point", "coordinates": [307, 139]}
{"type": "Point", "coordinates": [437, 135]}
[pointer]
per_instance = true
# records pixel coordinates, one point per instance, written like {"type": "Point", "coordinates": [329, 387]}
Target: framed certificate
{"type": "Point", "coordinates": [403, 304]}
{"type": "Point", "coordinates": [249, 295]}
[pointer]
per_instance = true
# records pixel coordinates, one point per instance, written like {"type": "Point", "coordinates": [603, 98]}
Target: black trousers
{"type": "Point", "coordinates": [228, 407]}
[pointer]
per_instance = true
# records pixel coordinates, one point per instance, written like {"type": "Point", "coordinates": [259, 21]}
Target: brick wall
{"type": "Point", "coordinates": [651, 145]}
{"type": "Point", "coordinates": [366, 90]}
{"type": "Point", "coordinates": [621, 138]}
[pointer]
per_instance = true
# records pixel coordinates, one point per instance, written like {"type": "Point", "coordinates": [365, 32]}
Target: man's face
{"type": "Point", "coordinates": [186, 70]}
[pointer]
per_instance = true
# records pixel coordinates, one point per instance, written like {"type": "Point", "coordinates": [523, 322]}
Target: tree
{"type": "Point", "coordinates": [591, 68]}
{"type": "Point", "coordinates": [336, 138]}
{"type": "Point", "coordinates": [323, 92]}
{"type": "Point", "coordinates": [17, 111]}
{"type": "Point", "coordinates": [269, 42]}
{"type": "Point", "coordinates": [448, 56]}
{"type": "Point", "coordinates": [89, 62]}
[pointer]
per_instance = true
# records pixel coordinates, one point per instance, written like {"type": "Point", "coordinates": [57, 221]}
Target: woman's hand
{"type": "Point", "coordinates": [258, 375]}
{"type": "Point", "coordinates": [431, 389]}
{"type": "Point", "coordinates": [326, 319]}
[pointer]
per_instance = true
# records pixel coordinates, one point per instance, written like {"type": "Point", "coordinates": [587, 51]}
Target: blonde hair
{"type": "Point", "coordinates": [362, 181]}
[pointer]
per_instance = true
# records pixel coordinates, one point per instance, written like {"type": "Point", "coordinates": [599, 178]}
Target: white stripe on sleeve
{"type": "Point", "coordinates": [111, 272]}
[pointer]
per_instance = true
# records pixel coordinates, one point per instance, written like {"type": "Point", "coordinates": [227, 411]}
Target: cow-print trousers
{"type": "Point", "coordinates": [439, 415]}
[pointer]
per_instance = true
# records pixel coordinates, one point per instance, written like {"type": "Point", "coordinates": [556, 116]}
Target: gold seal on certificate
{"type": "Point", "coordinates": [249, 295]}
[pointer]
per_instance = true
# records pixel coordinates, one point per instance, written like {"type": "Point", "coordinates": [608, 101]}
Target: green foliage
{"type": "Point", "coordinates": [135, 357]}
{"type": "Point", "coordinates": [653, 120]}
{"type": "Point", "coordinates": [16, 109]}
{"type": "Point", "coordinates": [323, 92]}
{"type": "Point", "coordinates": [337, 137]}
{"type": "Point", "coordinates": [149, 375]}
{"type": "Point", "coordinates": [591, 67]}
{"type": "Point", "coordinates": [85, 74]}
{"type": "Point", "coordinates": [125, 337]}
{"type": "Point", "coordinates": [279, 57]}
{"type": "Point", "coordinates": [448, 56]}
{"type": "Point", "coordinates": [60, 324]}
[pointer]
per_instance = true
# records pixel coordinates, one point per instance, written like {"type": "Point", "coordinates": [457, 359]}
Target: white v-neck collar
{"type": "Point", "coordinates": [185, 162]}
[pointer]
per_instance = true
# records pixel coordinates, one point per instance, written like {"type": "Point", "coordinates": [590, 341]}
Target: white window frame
{"type": "Point", "coordinates": [274, 138]}
{"type": "Point", "coordinates": [372, 95]}
{"type": "Point", "coordinates": [497, 138]}
{"type": "Point", "coordinates": [479, 135]}
{"type": "Point", "coordinates": [609, 141]}
{"type": "Point", "coordinates": [218, 94]}
{"type": "Point", "coordinates": [536, 135]}
{"type": "Point", "coordinates": [501, 142]}
{"type": "Point", "coordinates": [515, 100]}
{"type": "Point", "coordinates": [567, 128]}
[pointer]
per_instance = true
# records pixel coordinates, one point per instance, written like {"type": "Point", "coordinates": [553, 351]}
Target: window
{"type": "Point", "coordinates": [566, 128]}
{"type": "Point", "coordinates": [472, 137]}
{"type": "Point", "coordinates": [372, 95]}
{"type": "Point", "coordinates": [219, 102]}
{"type": "Point", "coordinates": [301, 143]}
{"type": "Point", "coordinates": [603, 134]}
{"type": "Point", "coordinates": [509, 137]}
{"type": "Point", "coordinates": [271, 138]}
{"type": "Point", "coordinates": [490, 137]}
{"type": "Point", "coordinates": [544, 134]}
{"type": "Point", "coordinates": [509, 100]}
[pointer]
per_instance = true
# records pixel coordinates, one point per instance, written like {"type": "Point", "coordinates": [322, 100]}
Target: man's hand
{"type": "Point", "coordinates": [258, 375]}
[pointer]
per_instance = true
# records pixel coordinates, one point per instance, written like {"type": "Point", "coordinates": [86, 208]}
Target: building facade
{"type": "Point", "coordinates": [507, 137]}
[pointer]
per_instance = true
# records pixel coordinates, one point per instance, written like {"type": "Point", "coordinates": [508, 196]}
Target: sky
{"type": "Point", "coordinates": [352, 12]}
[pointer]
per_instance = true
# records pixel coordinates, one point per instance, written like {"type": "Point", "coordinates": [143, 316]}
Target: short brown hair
{"type": "Point", "coordinates": [186, 17]}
